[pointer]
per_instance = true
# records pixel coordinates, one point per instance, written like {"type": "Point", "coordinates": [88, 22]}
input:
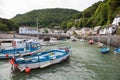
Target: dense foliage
{"type": "Point", "coordinates": [99, 14]}
{"type": "Point", "coordinates": [46, 17]}
{"type": "Point", "coordinates": [7, 25]}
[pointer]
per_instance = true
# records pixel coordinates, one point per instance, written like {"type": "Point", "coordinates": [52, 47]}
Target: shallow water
{"type": "Point", "coordinates": [85, 63]}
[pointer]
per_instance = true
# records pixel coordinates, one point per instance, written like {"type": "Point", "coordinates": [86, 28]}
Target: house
{"type": "Point", "coordinates": [96, 30]}
{"type": "Point", "coordinates": [70, 31]}
{"type": "Point", "coordinates": [116, 20]}
{"type": "Point", "coordinates": [110, 29]}
{"type": "Point", "coordinates": [28, 30]}
{"type": "Point", "coordinates": [86, 31]}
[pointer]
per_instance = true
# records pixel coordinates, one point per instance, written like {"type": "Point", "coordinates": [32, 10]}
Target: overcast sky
{"type": "Point", "coordinates": [9, 8]}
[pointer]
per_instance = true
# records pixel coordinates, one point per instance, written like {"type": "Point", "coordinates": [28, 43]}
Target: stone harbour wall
{"type": "Point", "coordinates": [112, 40]}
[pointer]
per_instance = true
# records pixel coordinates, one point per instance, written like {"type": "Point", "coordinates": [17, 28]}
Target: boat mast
{"type": "Point", "coordinates": [37, 28]}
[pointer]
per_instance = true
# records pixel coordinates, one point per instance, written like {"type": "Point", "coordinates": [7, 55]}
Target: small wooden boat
{"type": "Point", "coordinates": [105, 50]}
{"type": "Point", "coordinates": [91, 42]}
{"type": "Point", "coordinates": [117, 50]}
{"type": "Point", "coordinates": [41, 59]}
{"type": "Point", "coordinates": [18, 48]}
{"type": "Point", "coordinates": [53, 41]}
{"type": "Point", "coordinates": [100, 44]}
{"type": "Point", "coordinates": [82, 40]}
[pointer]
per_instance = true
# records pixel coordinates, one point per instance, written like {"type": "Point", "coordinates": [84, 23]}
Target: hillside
{"type": "Point", "coordinates": [7, 25]}
{"type": "Point", "coordinates": [46, 17]}
{"type": "Point", "coordinates": [99, 14]}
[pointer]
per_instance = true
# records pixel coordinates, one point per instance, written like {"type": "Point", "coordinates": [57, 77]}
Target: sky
{"type": "Point", "coordinates": [10, 8]}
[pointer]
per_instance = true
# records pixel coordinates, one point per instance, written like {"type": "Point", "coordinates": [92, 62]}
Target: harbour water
{"type": "Point", "coordinates": [85, 63]}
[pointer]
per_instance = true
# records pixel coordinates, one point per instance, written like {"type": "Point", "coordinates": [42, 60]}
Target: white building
{"type": "Point", "coordinates": [116, 20]}
{"type": "Point", "coordinates": [109, 30]}
{"type": "Point", "coordinates": [28, 30]}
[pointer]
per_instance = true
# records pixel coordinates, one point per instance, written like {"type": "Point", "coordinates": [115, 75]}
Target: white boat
{"type": "Point", "coordinates": [41, 59]}
{"type": "Point", "coordinates": [100, 44]}
{"type": "Point", "coordinates": [53, 41]}
{"type": "Point", "coordinates": [16, 47]}
{"type": "Point", "coordinates": [82, 40]}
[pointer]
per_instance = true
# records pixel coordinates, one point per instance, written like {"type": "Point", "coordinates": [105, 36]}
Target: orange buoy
{"type": "Point", "coordinates": [11, 61]}
{"type": "Point", "coordinates": [91, 42]}
{"type": "Point", "coordinates": [27, 70]}
{"type": "Point", "coordinates": [7, 55]}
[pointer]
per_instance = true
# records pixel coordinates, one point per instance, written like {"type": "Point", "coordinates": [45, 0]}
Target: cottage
{"type": "Point", "coordinates": [116, 20]}
{"type": "Point", "coordinates": [28, 30]}
{"type": "Point", "coordinates": [110, 29]}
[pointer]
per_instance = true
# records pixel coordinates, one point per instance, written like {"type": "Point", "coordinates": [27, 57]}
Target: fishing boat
{"type": "Point", "coordinates": [17, 47]}
{"type": "Point", "coordinates": [105, 50]}
{"type": "Point", "coordinates": [91, 41]}
{"type": "Point", "coordinates": [41, 59]}
{"type": "Point", "coordinates": [82, 40]}
{"type": "Point", "coordinates": [117, 50]}
{"type": "Point", "coordinates": [53, 41]}
{"type": "Point", "coordinates": [100, 44]}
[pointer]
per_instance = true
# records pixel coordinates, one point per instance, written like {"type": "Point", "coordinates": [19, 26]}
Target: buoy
{"type": "Point", "coordinates": [27, 70]}
{"type": "Point", "coordinates": [11, 61]}
{"type": "Point", "coordinates": [7, 55]}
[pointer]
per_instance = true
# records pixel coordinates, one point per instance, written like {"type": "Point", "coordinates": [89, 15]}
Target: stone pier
{"type": "Point", "coordinates": [112, 40]}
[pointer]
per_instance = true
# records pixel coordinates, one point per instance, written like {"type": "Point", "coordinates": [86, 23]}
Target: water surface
{"type": "Point", "coordinates": [85, 63]}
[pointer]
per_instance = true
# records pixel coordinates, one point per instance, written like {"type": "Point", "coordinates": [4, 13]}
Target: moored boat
{"type": "Point", "coordinates": [82, 40]}
{"type": "Point", "coordinates": [100, 44]}
{"type": "Point", "coordinates": [117, 50]}
{"type": "Point", "coordinates": [41, 59]}
{"type": "Point", "coordinates": [17, 48]}
{"type": "Point", "coordinates": [105, 50]}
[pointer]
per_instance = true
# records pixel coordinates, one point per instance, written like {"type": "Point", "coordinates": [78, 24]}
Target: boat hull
{"type": "Point", "coordinates": [22, 67]}
{"type": "Point", "coordinates": [43, 60]}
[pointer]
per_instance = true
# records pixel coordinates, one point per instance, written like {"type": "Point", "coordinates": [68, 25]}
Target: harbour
{"type": "Point", "coordinates": [46, 40]}
{"type": "Point", "coordinates": [85, 62]}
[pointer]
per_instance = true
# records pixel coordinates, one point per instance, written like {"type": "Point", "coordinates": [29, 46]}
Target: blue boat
{"type": "Point", "coordinates": [19, 50]}
{"type": "Point", "coordinates": [117, 50]}
{"type": "Point", "coordinates": [41, 59]}
{"type": "Point", "coordinates": [105, 50]}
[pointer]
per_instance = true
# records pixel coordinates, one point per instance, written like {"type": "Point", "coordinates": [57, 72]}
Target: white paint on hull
{"type": "Point", "coordinates": [22, 67]}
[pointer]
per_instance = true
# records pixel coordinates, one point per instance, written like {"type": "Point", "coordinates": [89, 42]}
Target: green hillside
{"type": "Point", "coordinates": [99, 14]}
{"type": "Point", "coordinates": [7, 25]}
{"type": "Point", "coordinates": [46, 17]}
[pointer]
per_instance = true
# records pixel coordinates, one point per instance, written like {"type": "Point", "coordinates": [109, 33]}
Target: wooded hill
{"type": "Point", "coordinates": [99, 14]}
{"type": "Point", "coordinates": [7, 25]}
{"type": "Point", "coordinates": [46, 17]}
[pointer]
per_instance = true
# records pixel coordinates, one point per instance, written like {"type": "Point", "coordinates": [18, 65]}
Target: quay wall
{"type": "Point", "coordinates": [112, 40]}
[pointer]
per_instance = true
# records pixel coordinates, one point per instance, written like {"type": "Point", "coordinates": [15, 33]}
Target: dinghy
{"type": "Point", "coordinates": [105, 50]}
{"type": "Point", "coordinates": [117, 50]}
{"type": "Point", "coordinates": [100, 44]}
{"type": "Point", "coordinates": [18, 48]}
{"type": "Point", "coordinates": [41, 59]}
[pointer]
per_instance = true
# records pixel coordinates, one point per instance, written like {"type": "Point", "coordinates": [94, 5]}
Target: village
{"type": "Point", "coordinates": [110, 29]}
